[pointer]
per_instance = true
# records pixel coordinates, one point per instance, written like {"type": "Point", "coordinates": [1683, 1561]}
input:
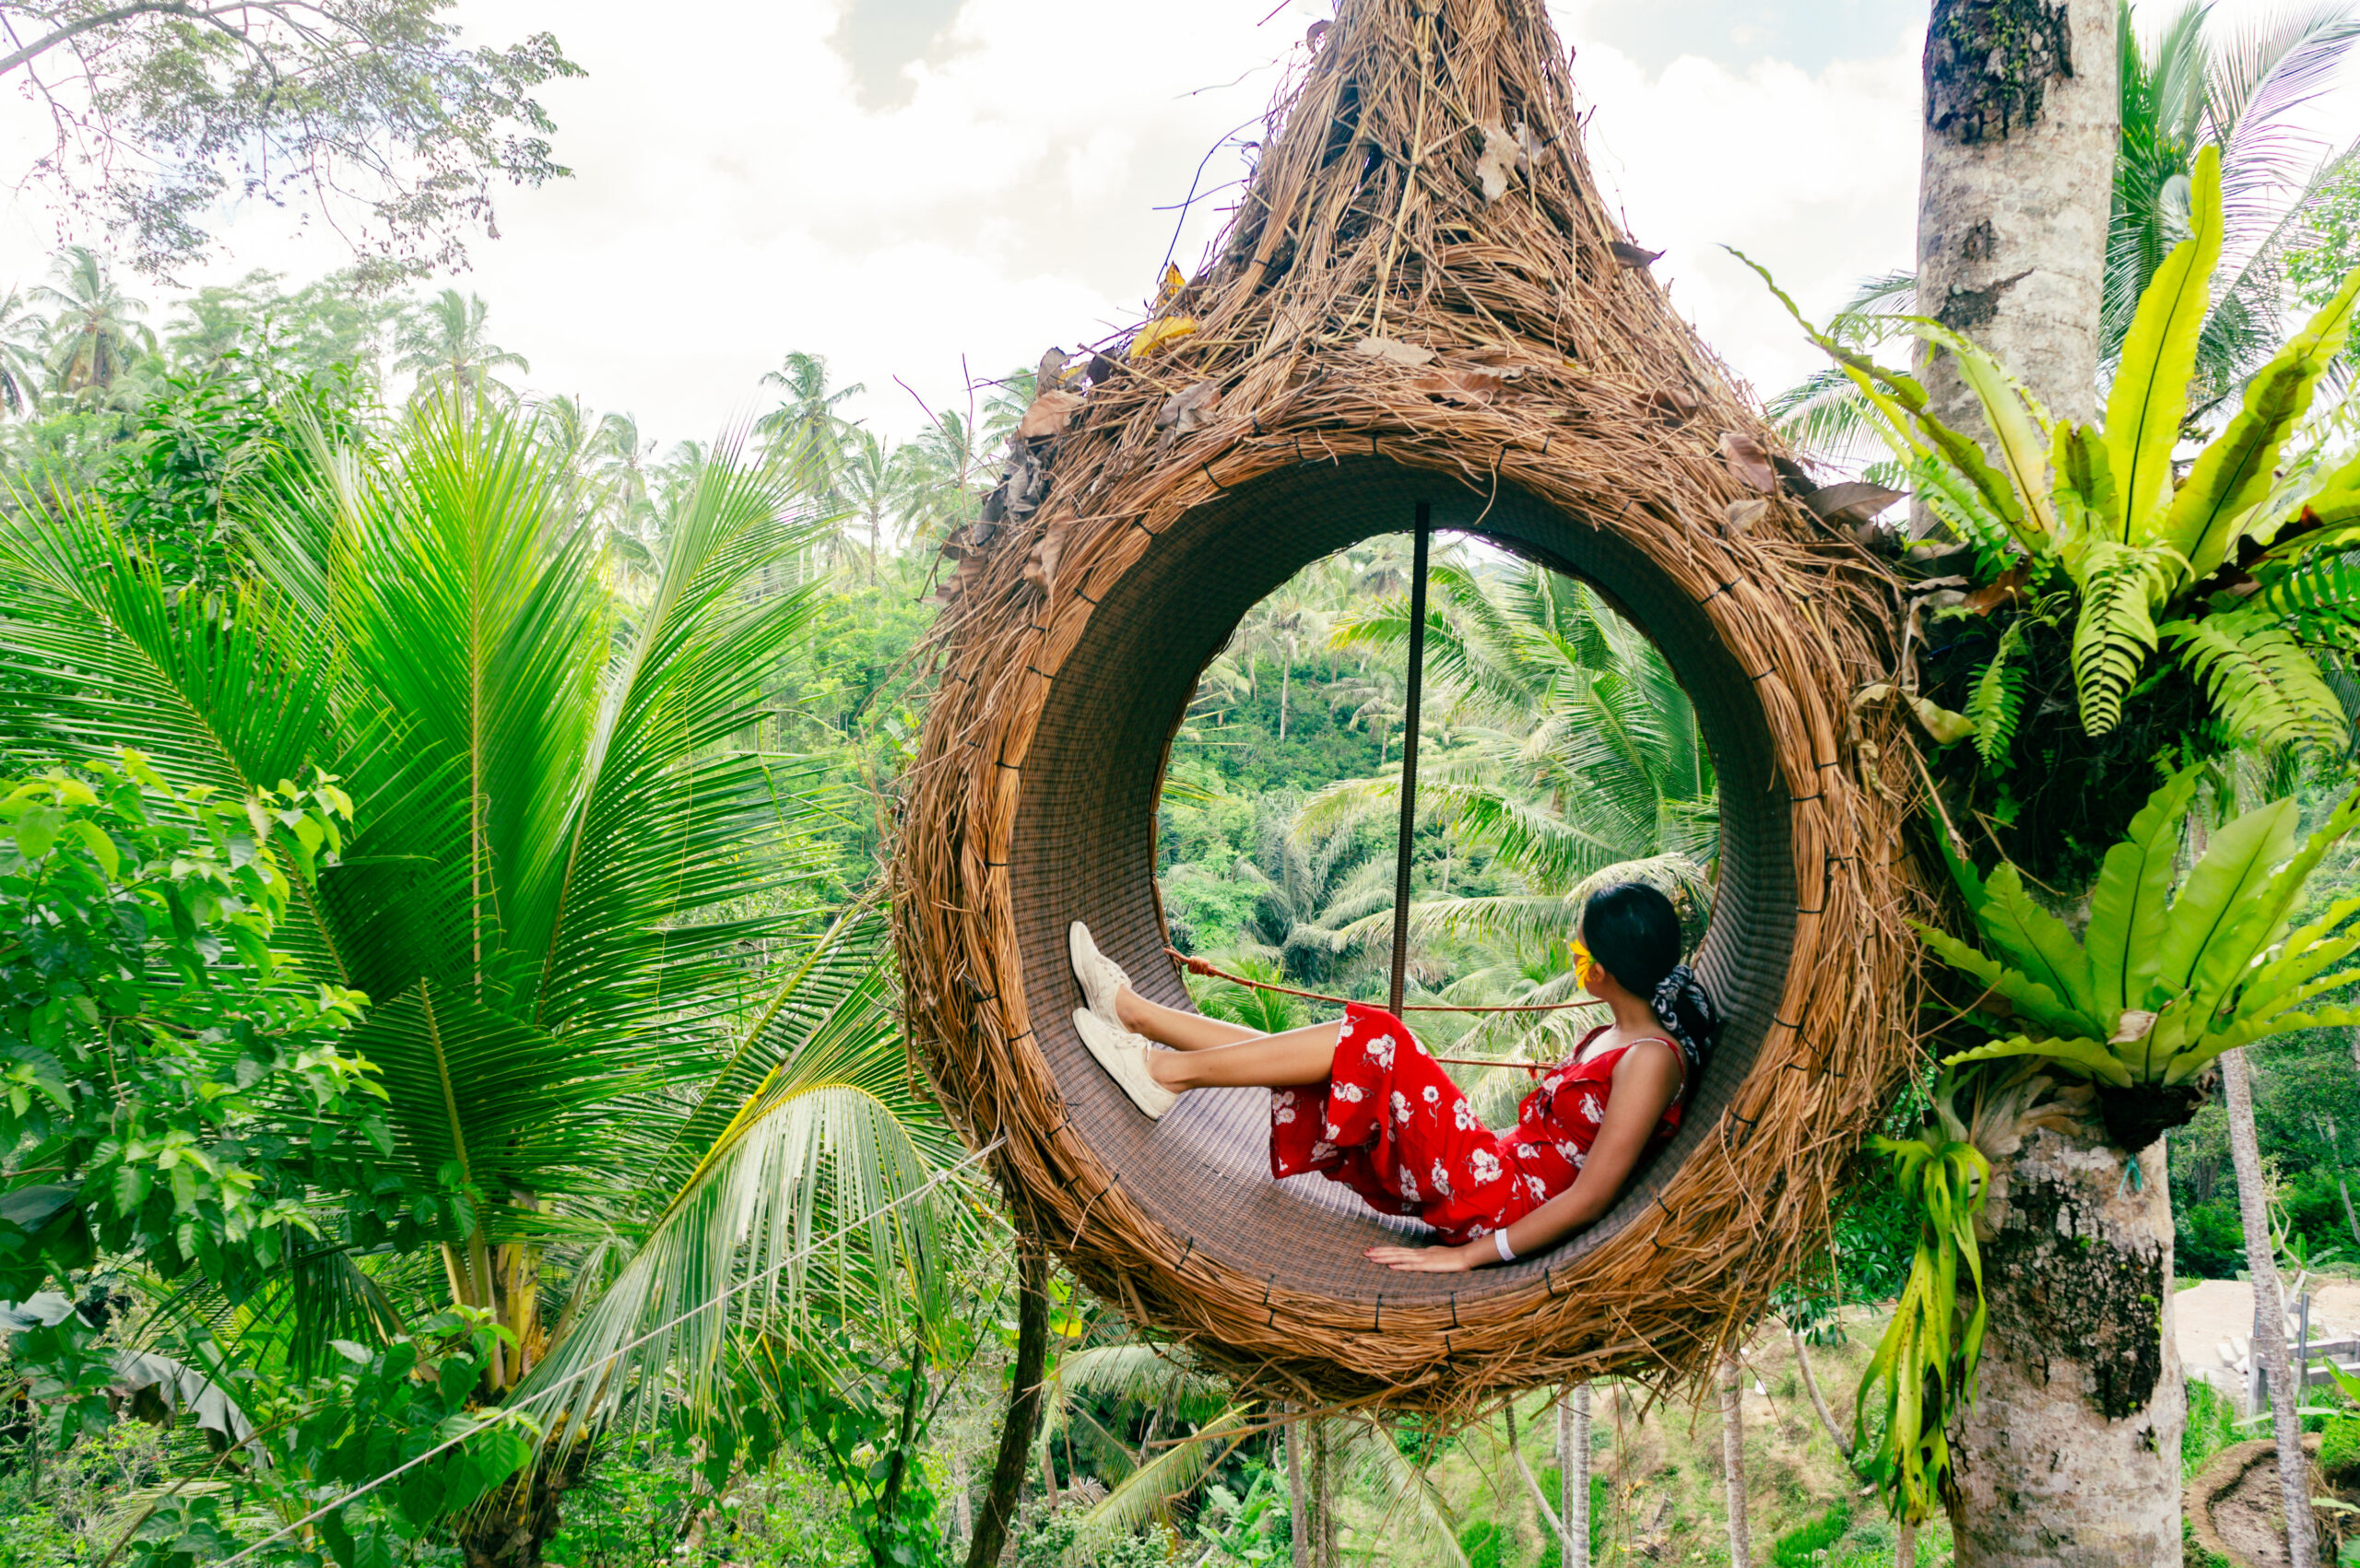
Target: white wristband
{"type": "Point", "coordinates": [1500, 1240]}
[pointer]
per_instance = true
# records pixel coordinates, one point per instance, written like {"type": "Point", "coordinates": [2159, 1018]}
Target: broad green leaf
{"type": "Point", "coordinates": [2235, 866]}
{"type": "Point", "coordinates": [2255, 922]}
{"type": "Point", "coordinates": [2236, 470]}
{"type": "Point", "coordinates": [2303, 954]}
{"type": "Point", "coordinates": [94, 838]}
{"type": "Point", "coordinates": [2032, 999]}
{"type": "Point", "coordinates": [2036, 941]}
{"type": "Point", "coordinates": [2016, 425]}
{"type": "Point", "coordinates": [2087, 506]}
{"type": "Point", "coordinates": [2149, 398]}
{"type": "Point", "coordinates": [2090, 1056]}
{"type": "Point", "coordinates": [2132, 901]}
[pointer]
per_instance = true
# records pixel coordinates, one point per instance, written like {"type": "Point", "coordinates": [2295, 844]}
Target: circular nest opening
{"type": "Point", "coordinates": [1084, 848]}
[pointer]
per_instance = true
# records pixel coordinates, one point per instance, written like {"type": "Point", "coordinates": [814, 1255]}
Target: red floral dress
{"type": "Point", "coordinates": [1391, 1125]}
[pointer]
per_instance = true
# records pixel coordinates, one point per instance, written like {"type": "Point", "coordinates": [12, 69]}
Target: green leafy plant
{"type": "Point", "coordinates": [2171, 971]}
{"type": "Point", "coordinates": [175, 1082]}
{"type": "Point", "coordinates": [367, 1414]}
{"type": "Point", "coordinates": [2235, 573]}
{"type": "Point", "coordinates": [1925, 1365]}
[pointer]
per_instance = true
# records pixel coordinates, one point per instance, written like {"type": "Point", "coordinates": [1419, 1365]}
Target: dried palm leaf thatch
{"type": "Point", "coordinates": [1421, 303]}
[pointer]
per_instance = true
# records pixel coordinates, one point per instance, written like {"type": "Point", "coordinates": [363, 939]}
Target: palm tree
{"type": "Point", "coordinates": [2184, 85]}
{"type": "Point", "coordinates": [24, 339]}
{"type": "Point", "coordinates": [444, 343]}
{"type": "Point", "coordinates": [2188, 86]}
{"type": "Point", "coordinates": [560, 894]}
{"type": "Point", "coordinates": [621, 454]}
{"type": "Point", "coordinates": [805, 431]}
{"type": "Point", "coordinates": [96, 333]}
{"type": "Point", "coordinates": [566, 424]}
{"type": "Point", "coordinates": [945, 468]}
{"type": "Point", "coordinates": [876, 481]}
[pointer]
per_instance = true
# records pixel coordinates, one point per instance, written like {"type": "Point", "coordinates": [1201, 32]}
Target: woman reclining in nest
{"type": "Point", "coordinates": [1363, 1102]}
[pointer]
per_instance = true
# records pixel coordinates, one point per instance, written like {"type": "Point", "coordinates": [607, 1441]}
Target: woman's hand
{"type": "Point", "coordinates": [1435, 1260]}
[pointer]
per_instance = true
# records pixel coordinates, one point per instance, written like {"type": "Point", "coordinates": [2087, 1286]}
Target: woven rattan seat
{"type": "Point", "coordinates": [1076, 636]}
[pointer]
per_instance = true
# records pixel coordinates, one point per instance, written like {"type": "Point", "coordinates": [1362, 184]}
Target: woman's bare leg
{"type": "Point", "coordinates": [1180, 1030]}
{"type": "Point", "coordinates": [1266, 1061]}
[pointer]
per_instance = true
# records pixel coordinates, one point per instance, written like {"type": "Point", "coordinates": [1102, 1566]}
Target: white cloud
{"type": "Point", "coordinates": [733, 200]}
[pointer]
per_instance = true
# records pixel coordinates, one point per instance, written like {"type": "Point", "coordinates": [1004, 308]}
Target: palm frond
{"type": "Point", "coordinates": [834, 1138]}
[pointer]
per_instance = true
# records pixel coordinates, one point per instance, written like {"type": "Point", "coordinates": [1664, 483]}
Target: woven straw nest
{"type": "Point", "coordinates": [1422, 185]}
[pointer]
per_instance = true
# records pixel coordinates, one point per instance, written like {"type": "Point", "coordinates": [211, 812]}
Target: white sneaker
{"type": "Point", "coordinates": [1123, 1055]}
{"type": "Point", "coordinates": [1102, 978]}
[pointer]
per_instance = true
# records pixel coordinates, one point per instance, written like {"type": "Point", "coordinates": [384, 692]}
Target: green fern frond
{"type": "Point", "coordinates": [1998, 700]}
{"type": "Point", "coordinates": [2121, 584]}
{"type": "Point", "coordinates": [2318, 598]}
{"type": "Point", "coordinates": [2262, 681]}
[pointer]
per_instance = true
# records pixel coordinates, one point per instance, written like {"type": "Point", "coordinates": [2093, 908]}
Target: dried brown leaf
{"type": "Point", "coordinates": [1188, 408]}
{"type": "Point", "coordinates": [1394, 351]}
{"type": "Point", "coordinates": [1749, 460]}
{"type": "Point", "coordinates": [1630, 255]}
{"type": "Point", "coordinates": [1742, 516]}
{"type": "Point", "coordinates": [2007, 589]}
{"type": "Point", "coordinates": [1852, 501]}
{"type": "Point", "coordinates": [1473, 384]}
{"type": "Point", "coordinates": [1503, 157]}
{"type": "Point", "coordinates": [1048, 414]}
{"type": "Point", "coordinates": [1673, 401]}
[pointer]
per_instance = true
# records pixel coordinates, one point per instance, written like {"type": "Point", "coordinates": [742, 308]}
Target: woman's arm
{"type": "Point", "coordinates": [1646, 1079]}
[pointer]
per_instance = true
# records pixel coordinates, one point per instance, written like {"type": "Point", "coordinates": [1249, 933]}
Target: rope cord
{"type": "Point", "coordinates": [602, 1362]}
{"type": "Point", "coordinates": [1199, 966]}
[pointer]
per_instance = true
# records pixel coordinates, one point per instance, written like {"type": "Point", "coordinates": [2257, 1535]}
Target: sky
{"type": "Point", "coordinates": [925, 191]}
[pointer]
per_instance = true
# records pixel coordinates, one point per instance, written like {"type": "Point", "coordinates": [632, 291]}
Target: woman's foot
{"type": "Point", "coordinates": [1126, 1058]}
{"type": "Point", "coordinates": [1102, 978]}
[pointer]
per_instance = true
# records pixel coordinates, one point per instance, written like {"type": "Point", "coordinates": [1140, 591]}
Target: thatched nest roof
{"type": "Point", "coordinates": [1423, 299]}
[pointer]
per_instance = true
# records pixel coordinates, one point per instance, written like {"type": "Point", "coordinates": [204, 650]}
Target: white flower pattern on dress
{"type": "Point", "coordinates": [1400, 1107]}
{"type": "Point", "coordinates": [1322, 1151]}
{"type": "Point", "coordinates": [1410, 1185]}
{"type": "Point", "coordinates": [1432, 1094]}
{"type": "Point", "coordinates": [1538, 1189]}
{"type": "Point", "coordinates": [1349, 1093]}
{"type": "Point", "coordinates": [1439, 1179]}
{"type": "Point", "coordinates": [1380, 1050]}
{"type": "Point", "coordinates": [1281, 1114]}
{"type": "Point", "coordinates": [1483, 1166]}
{"type": "Point", "coordinates": [1591, 1112]}
{"type": "Point", "coordinates": [1464, 1114]}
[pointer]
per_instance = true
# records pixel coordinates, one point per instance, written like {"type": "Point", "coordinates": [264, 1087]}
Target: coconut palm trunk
{"type": "Point", "coordinates": [1733, 1460]}
{"type": "Point", "coordinates": [1572, 1474]}
{"type": "Point", "coordinates": [1298, 1511]}
{"type": "Point", "coordinates": [2017, 187]}
{"type": "Point", "coordinates": [2070, 1456]}
{"type": "Point", "coordinates": [2270, 1315]}
{"type": "Point", "coordinates": [2069, 1452]}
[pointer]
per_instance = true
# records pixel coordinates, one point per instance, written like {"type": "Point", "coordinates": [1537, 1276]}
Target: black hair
{"type": "Point", "coordinates": [1632, 930]}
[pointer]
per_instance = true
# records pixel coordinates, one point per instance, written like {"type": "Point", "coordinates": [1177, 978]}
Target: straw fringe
{"type": "Point", "coordinates": [1366, 208]}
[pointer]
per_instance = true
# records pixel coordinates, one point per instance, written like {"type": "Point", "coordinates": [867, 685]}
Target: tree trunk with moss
{"type": "Point", "coordinates": [2021, 120]}
{"type": "Point", "coordinates": [2069, 1454]}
